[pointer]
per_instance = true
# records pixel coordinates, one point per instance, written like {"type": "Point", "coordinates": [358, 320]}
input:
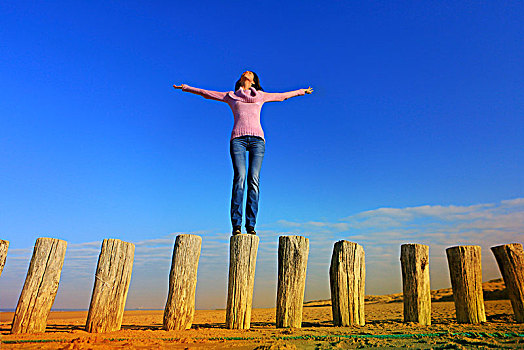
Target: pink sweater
{"type": "Point", "coordinates": [246, 106]}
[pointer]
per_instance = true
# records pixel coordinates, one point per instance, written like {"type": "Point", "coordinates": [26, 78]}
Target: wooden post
{"type": "Point", "coordinates": [4, 245]}
{"type": "Point", "coordinates": [40, 287]}
{"type": "Point", "coordinates": [466, 280]}
{"type": "Point", "coordinates": [113, 274]}
{"type": "Point", "coordinates": [414, 259]}
{"type": "Point", "coordinates": [510, 258]}
{"type": "Point", "coordinates": [180, 305]}
{"type": "Point", "coordinates": [292, 263]}
{"type": "Point", "coordinates": [242, 261]}
{"type": "Point", "coordinates": [347, 276]}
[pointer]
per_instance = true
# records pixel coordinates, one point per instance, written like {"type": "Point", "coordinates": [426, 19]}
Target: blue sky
{"type": "Point", "coordinates": [414, 134]}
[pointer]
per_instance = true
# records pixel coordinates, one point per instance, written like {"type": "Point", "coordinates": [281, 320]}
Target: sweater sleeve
{"type": "Point", "coordinates": [211, 95]}
{"type": "Point", "coordinates": [281, 96]}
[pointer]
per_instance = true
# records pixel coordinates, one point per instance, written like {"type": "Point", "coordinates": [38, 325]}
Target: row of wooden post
{"type": "Point", "coordinates": [347, 282]}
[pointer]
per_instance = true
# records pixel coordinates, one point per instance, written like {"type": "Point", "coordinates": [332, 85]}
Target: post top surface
{"type": "Point", "coordinates": [49, 239]}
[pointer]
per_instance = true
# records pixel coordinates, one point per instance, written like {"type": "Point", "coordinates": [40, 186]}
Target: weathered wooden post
{"type": "Point", "coordinates": [113, 274]}
{"type": "Point", "coordinates": [180, 305]}
{"type": "Point", "coordinates": [414, 259]}
{"type": "Point", "coordinates": [292, 264]}
{"type": "Point", "coordinates": [4, 245]}
{"type": "Point", "coordinates": [40, 287]}
{"type": "Point", "coordinates": [466, 280]}
{"type": "Point", "coordinates": [510, 258]}
{"type": "Point", "coordinates": [347, 276]}
{"type": "Point", "coordinates": [242, 261]}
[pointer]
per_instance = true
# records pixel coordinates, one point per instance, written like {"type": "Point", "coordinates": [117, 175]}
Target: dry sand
{"type": "Point", "coordinates": [384, 329]}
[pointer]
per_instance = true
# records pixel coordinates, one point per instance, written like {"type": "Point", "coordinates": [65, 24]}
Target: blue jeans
{"type": "Point", "coordinates": [238, 147]}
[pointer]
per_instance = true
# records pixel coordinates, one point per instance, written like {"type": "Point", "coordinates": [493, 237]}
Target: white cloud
{"type": "Point", "coordinates": [513, 202]}
{"type": "Point", "coordinates": [449, 212]}
{"type": "Point", "coordinates": [154, 242]}
{"type": "Point", "coordinates": [381, 231]}
{"type": "Point", "coordinates": [24, 251]}
{"type": "Point", "coordinates": [97, 244]}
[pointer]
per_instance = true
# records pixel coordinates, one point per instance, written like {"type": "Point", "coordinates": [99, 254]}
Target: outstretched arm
{"type": "Point", "coordinates": [281, 96]}
{"type": "Point", "coordinates": [212, 95]}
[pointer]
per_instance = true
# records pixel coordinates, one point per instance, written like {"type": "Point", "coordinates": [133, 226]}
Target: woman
{"type": "Point", "coordinates": [247, 136]}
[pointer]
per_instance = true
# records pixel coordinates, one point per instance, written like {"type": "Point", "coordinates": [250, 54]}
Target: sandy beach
{"type": "Point", "coordinates": [384, 329]}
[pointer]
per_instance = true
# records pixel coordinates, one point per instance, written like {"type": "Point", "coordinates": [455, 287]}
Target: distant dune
{"type": "Point", "coordinates": [493, 290]}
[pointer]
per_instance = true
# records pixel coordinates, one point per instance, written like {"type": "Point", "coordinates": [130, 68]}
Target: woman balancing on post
{"type": "Point", "coordinates": [247, 136]}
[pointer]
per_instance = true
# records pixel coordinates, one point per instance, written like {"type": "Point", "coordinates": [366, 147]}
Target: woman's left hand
{"type": "Point", "coordinates": [309, 90]}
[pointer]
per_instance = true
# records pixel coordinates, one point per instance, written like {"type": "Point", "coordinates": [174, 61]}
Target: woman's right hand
{"type": "Point", "coordinates": [177, 87]}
